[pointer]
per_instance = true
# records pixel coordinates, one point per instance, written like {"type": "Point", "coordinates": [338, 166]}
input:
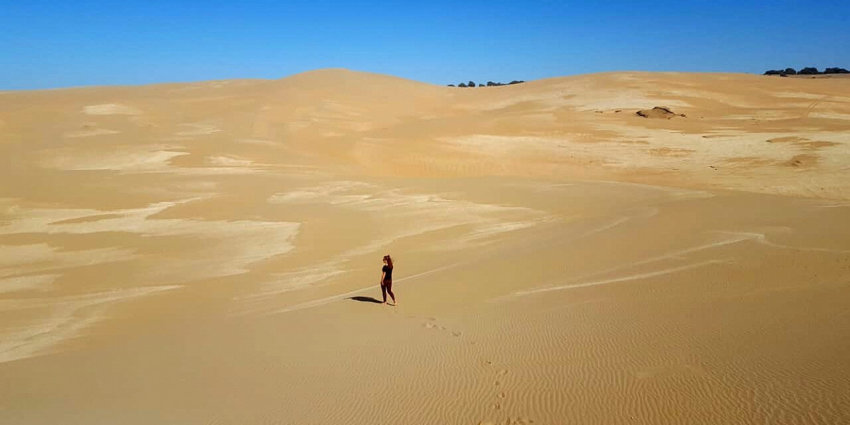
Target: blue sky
{"type": "Point", "coordinates": [59, 44]}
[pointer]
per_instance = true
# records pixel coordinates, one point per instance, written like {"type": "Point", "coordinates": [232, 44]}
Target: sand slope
{"type": "Point", "coordinates": [208, 252]}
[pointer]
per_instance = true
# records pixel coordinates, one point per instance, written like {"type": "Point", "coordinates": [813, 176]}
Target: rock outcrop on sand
{"type": "Point", "coordinates": [658, 112]}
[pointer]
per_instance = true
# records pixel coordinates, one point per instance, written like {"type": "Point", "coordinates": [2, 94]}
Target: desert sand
{"type": "Point", "coordinates": [209, 253]}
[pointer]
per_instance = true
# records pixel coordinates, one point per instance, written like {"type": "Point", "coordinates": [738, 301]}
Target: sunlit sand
{"type": "Point", "coordinates": [210, 252]}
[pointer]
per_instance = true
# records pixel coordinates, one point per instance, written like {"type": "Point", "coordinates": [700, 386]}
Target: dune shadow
{"type": "Point", "coordinates": [364, 299]}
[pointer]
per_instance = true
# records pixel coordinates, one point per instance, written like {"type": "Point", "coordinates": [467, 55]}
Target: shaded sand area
{"type": "Point", "coordinates": [208, 253]}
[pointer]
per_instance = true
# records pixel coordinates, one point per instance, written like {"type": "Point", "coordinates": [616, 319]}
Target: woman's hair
{"type": "Point", "coordinates": [389, 260]}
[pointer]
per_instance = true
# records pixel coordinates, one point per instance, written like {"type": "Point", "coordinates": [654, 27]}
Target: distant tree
{"type": "Point", "coordinates": [773, 72]}
{"type": "Point", "coordinates": [491, 83]}
{"type": "Point", "coordinates": [836, 71]}
{"type": "Point", "coordinates": [790, 71]}
{"type": "Point", "coordinates": [809, 71]}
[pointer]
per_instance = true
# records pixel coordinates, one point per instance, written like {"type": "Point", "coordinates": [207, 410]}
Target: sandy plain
{"type": "Point", "coordinates": [208, 253]}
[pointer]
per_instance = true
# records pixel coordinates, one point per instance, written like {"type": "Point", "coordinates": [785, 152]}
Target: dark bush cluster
{"type": "Point", "coordinates": [489, 84]}
{"type": "Point", "coordinates": [836, 71]}
{"type": "Point", "coordinates": [805, 71]}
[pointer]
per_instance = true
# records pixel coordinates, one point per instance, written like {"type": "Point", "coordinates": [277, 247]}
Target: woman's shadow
{"type": "Point", "coordinates": [364, 299]}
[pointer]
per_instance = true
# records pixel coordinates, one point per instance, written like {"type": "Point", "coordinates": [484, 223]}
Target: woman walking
{"type": "Point", "coordinates": [387, 279]}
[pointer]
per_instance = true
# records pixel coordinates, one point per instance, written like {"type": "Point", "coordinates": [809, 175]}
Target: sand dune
{"type": "Point", "coordinates": [208, 252]}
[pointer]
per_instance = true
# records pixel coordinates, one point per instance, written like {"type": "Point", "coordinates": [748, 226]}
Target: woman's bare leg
{"type": "Point", "coordinates": [389, 286]}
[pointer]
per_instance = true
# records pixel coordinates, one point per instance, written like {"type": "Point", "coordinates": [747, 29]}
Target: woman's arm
{"type": "Point", "coordinates": [383, 274]}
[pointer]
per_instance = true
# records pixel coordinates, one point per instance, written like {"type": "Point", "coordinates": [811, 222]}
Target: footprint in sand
{"type": "Point", "coordinates": [510, 421]}
{"type": "Point", "coordinates": [502, 396]}
{"type": "Point", "coordinates": [431, 324]}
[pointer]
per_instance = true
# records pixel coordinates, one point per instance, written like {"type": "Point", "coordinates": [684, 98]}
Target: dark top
{"type": "Point", "coordinates": [388, 272]}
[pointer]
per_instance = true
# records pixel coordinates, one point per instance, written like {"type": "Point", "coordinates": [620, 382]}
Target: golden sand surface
{"type": "Point", "coordinates": [208, 253]}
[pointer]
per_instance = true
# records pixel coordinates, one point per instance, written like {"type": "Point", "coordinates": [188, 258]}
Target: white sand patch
{"type": "Point", "coordinates": [764, 115]}
{"type": "Point", "coordinates": [57, 319]}
{"type": "Point", "coordinates": [829, 115]}
{"type": "Point", "coordinates": [337, 192]}
{"type": "Point", "coordinates": [200, 186]}
{"type": "Point", "coordinates": [604, 100]}
{"type": "Point", "coordinates": [432, 209]}
{"type": "Point", "coordinates": [41, 282]}
{"type": "Point", "coordinates": [823, 98]}
{"type": "Point", "coordinates": [261, 142]}
{"type": "Point", "coordinates": [110, 109]}
{"type": "Point", "coordinates": [798, 95]}
{"type": "Point", "coordinates": [222, 247]}
{"type": "Point", "coordinates": [762, 239]}
{"type": "Point", "coordinates": [197, 129]}
{"type": "Point", "coordinates": [706, 151]}
{"type": "Point", "coordinates": [493, 145]}
{"type": "Point", "coordinates": [402, 215]}
{"type": "Point", "coordinates": [484, 232]}
{"type": "Point", "coordinates": [212, 171]}
{"type": "Point", "coordinates": [578, 96]}
{"type": "Point", "coordinates": [286, 282]}
{"type": "Point", "coordinates": [41, 258]}
{"type": "Point", "coordinates": [208, 248]}
{"type": "Point", "coordinates": [127, 159]}
{"type": "Point", "coordinates": [229, 161]}
{"type": "Point", "coordinates": [89, 133]}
